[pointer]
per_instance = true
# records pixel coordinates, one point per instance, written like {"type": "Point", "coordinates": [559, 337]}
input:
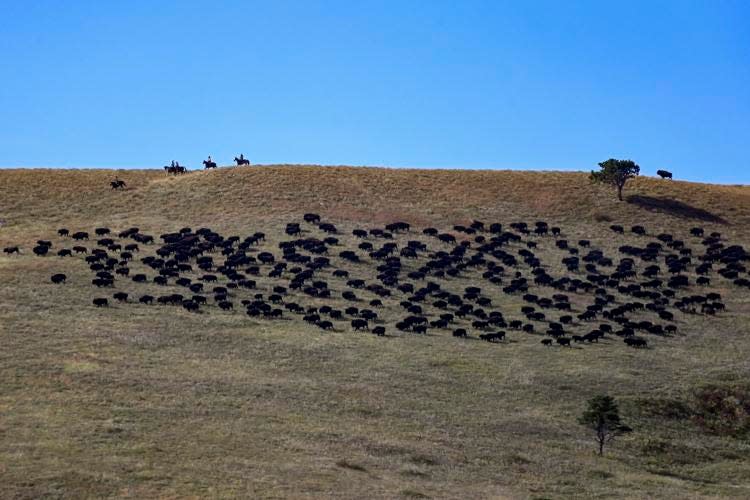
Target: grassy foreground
{"type": "Point", "coordinates": [143, 402]}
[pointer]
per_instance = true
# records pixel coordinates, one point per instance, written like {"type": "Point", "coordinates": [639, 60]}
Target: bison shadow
{"type": "Point", "coordinates": [674, 207]}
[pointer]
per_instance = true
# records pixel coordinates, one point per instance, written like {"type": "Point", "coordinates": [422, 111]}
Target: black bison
{"type": "Point", "coordinates": [325, 325]}
{"type": "Point", "coordinates": [666, 315]}
{"type": "Point", "coordinates": [58, 278]}
{"type": "Point", "coordinates": [359, 324]}
{"type": "Point", "coordinates": [190, 306]}
{"type": "Point", "coordinates": [421, 329]}
{"type": "Point", "coordinates": [328, 228]}
{"type": "Point", "coordinates": [564, 341]}
{"type": "Point", "coordinates": [664, 174]}
{"type": "Point", "coordinates": [101, 302]}
{"type": "Point", "coordinates": [40, 250]}
{"type": "Point", "coordinates": [636, 342]}
{"type": "Point", "coordinates": [397, 227]}
{"type": "Point", "coordinates": [447, 238]}
{"type": "Point", "coordinates": [492, 337]}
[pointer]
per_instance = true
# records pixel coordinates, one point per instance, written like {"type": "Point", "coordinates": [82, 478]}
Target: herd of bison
{"type": "Point", "coordinates": [339, 281]}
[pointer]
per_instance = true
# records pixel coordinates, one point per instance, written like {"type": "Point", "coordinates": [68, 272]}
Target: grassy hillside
{"type": "Point", "coordinates": [368, 195]}
{"type": "Point", "coordinates": [142, 401]}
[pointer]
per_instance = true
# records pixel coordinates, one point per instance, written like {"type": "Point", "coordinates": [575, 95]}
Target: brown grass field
{"type": "Point", "coordinates": [153, 402]}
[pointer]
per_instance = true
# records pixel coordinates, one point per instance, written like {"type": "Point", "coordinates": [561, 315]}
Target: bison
{"type": "Point", "coordinates": [58, 278]}
{"type": "Point", "coordinates": [359, 324]}
{"type": "Point", "coordinates": [664, 174]}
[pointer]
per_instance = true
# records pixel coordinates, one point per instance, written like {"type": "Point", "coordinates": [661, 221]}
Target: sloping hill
{"type": "Point", "coordinates": [155, 401]}
{"type": "Point", "coordinates": [370, 195]}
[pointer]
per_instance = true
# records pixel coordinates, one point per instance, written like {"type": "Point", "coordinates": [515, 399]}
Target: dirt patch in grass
{"type": "Point", "coordinates": [345, 464]}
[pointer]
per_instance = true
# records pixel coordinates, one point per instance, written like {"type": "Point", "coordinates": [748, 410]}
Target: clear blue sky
{"type": "Point", "coordinates": [468, 84]}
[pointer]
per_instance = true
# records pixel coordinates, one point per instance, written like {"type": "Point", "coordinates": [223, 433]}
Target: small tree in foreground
{"type": "Point", "coordinates": [603, 417]}
{"type": "Point", "coordinates": [615, 173]}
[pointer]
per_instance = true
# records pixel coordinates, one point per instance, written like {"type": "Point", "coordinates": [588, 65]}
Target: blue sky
{"type": "Point", "coordinates": [467, 84]}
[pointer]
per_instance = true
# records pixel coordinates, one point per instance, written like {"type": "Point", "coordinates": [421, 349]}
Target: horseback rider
{"type": "Point", "coordinates": [242, 157]}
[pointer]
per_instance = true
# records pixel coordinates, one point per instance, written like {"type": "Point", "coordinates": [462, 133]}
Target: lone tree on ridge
{"type": "Point", "coordinates": [603, 417]}
{"type": "Point", "coordinates": [615, 173]}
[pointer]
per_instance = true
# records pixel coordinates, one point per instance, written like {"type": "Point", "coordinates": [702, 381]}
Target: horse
{"type": "Point", "coordinates": [174, 170]}
{"type": "Point", "coordinates": [209, 164]}
{"type": "Point", "coordinates": [242, 161]}
{"type": "Point", "coordinates": [117, 184]}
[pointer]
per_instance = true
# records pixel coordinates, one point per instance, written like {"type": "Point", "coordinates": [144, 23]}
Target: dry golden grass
{"type": "Point", "coordinates": [141, 402]}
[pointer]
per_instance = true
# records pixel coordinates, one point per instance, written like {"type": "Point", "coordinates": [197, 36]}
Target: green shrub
{"type": "Point", "coordinates": [722, 409]}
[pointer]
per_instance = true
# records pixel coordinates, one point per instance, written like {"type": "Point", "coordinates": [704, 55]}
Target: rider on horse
{"type": "Point", "coordinates": [210, 163]}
